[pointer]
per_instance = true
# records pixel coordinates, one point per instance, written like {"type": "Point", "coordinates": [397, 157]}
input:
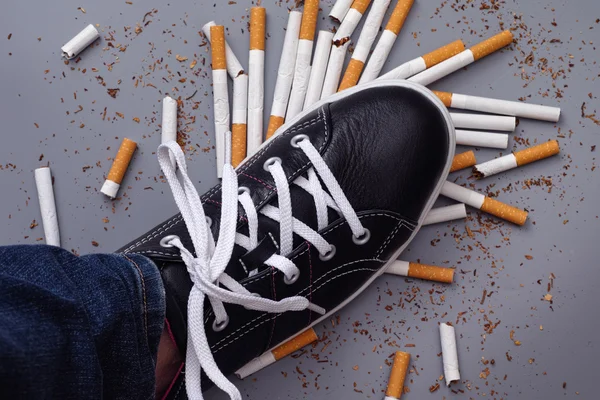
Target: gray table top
{"type": "Point", "coordinates": [54, 113]}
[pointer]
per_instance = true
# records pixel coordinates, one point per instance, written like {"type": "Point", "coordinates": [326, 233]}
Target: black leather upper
{"type": "Point", "coordinates": [389, 148]}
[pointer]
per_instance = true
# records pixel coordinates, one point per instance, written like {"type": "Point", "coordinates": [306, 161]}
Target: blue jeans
{"type": "Point", "coordinates": [78, 327]}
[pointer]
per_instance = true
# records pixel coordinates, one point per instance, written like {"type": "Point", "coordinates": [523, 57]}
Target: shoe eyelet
{"type": "Point", "coordinates": [242, 190]}
{"type": "Point", "coordinates": [219, 326]}
{"type": "Point", "coordinates": [292, 279]}
{"type": "Point", "coordinates": [329, 255]}
{"type": "Point", "coordinates": [297, 139]}
{"type": "Point", "coordinates": [208, 221]}
{"type": "Point", "coordinates": [362, 239]}
{"type": "Point", "coordinates": [271, 161]}
{"type": "Point", "coordinates": [164, 242]}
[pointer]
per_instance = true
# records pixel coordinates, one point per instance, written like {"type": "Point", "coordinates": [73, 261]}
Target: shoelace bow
{"type": "Point", "coordinates": [207, 269]}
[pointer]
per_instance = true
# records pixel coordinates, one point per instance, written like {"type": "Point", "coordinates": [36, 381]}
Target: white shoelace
{"type": "Point", "coordinates": [207, 268]}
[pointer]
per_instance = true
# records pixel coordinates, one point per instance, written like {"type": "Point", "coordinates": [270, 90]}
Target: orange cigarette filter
{"type": "Point", "coordinates": [352, 74]}
{"type": "Point", "coordinates": [217, 35]}
{"type": "Point", "coordinates": [296, 343]}
{"type": "Point", "coordinates": [360, 5]}
{"type": "Point", "coordinates": [275, 123]}
{"type": "Point", "coordinates": [504, 211]}
{"type": "Point", "coordinates": [536, 153]}
{"type": "Point", "coordinates": [445, 97]}
{"type": "Point", "coordinates": [431, 273]}
{"type": "Point", "coordinates": [398, 375]}
{"type": "Point", "coordinates": [399, 15]}
{"type": "Point", "coordinates": [258, 19]}
{"type": "Point", "coordinates": [491, 45]}
{"type": "Point", "coordinates": [238, 143]}
{"type": "Point", "coordinates": [309, 20]}
{"type": "Point", "coordinates": [443, 53]}
{"type": "Point", "coordinates": [122, 160]}
{"type": "Point", "coordinates": [463, 160]}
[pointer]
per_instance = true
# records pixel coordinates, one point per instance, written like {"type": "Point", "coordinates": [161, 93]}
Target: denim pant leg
{"type": "Point", "coordinates": [78, 327]}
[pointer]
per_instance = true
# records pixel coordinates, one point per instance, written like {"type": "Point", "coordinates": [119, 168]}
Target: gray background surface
{"type": "Point", "coordinates": [558, 338]}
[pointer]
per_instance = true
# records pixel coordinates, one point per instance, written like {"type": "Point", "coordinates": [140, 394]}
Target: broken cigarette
{"type": "Point", "coordinates": [503, 107]}
{"type": "Point", "coordinates": [43, 182]}
{"type": "Point", "coordinates": [517, 159]}
{"type": "Point", "coordinates": [482, 139]}
{"type": "Point", "coordinates": [397, 376]}
{"type": "Point", "coordinates": [464, 58]}
{"type": "Point", "coordinates": [484, 203]}
{"type": "Point", "coordinates": [234, 67]}
{"type": "Point", "coordinates": [386, 41]}
{"type": "Point", "coordinates": [420, 64]}
{"type": "Point", "coordinates": [485, 122]}
{"type": "Point", "coordinates": [220, 93]}
{"type": "Point", "coordinates": [304, 54]}
{"type": "Point", "coordinates": [239, 115]}
{"type": "Point", "coordinates": [264, 360]}
{"type": "Point", "coordinates": [285, 73]}
{"type": "Point", "coordinates": [445, 214]}
{"type": "Point", "coordinates": [463, 160]}
{"type": "Point", "coordinates": [449, 353]}
{"type": "Point", "coordinates": [119, 167]}
{"type": "Point", "coordinates": [82, 40]}
{"type": "Point", "coordinates": [256, 78]}
{"type": "Point", "coordinates": [421, 271]}
{"type": "Point", "coordinates": [363, 46]}
{"type": "Point", "coordinates": [318, 68]}
{"type": "Point", "coordinates": [339, 10]}
{"type": "Point", "coordinates": [169, 122]}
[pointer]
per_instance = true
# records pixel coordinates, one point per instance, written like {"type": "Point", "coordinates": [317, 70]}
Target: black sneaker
{"type": "Point", "coordinates": [320, 211]}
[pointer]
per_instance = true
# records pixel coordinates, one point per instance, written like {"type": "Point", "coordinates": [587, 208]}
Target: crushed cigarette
{"type": "Point", "coordinates": [220, 92]}
{"type": "Point", "coordinates": [449, 353]}
{"type": "Point", "coordinates": [421, 271]}
{"type": "Point", "coordinates": [119, 167]}
{"type": "Point", "coordinates": [340, 9]}
{"type": "Point", "coordinates": [43, 183]}
{"type": "Point", "coordinates": [463, 160]}
{"type": "Point", "coordinates": [256, 79]}
{"type": "Point", "coordinates": [517, 159]}
{"type": "Point", "coordinates": [82, 40]}
{"type": "Point", "coordinates": [234, 67]}
{"type": "Point", "coordinates": [395, 385]}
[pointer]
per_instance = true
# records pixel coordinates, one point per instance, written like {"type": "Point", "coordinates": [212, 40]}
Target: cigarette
{"type": "Point", "coordinates": [463, 160]}
{"type": "Point", "coordinates": [238, 126]}
{"type": "Point", "coordinates": [234, 67]}
{"type": "Point", "coordinates": [397, 376]}
{"type": "Point", "coordinates": [482, 121]}
{"type": "Point", "coordinates": [449, 353]}
{"type": "Point", "coordinates": [303, 56]}
{"type": "Point", "coordinates": [169, 122]}
{"type": "Point", "coordinates": [386, 41]}
{"type": "Point", "coordinates": [445, 214]}
{"type": "Point", "coordinates": [43, 182]}
{"type": "Point", "coordinates": [339, 10]}
{"type": "Point", "coordinates": [285, 73]}
{"type": "Point", "coordinates": [503, 107]}
{"type": "Point", "coordinates": [318, 68]}
{"type": "Point", "coordinates": [220, 93]}
{"type": "Point", "coordinates": [421, 271]}
{"type": "Point", "coordinates": [119, 167]}
{"type": "Point", "coordinates": [420, 64]}
{"type": "Point", "coordinates": [517, 159]}
{"type": "Point", "coordinates": [482, 139]}
{"type": "Point", "coordinates": [82, 40]}
{"type": "Point", "coordinates": [363, 46]}
{"type": "Point", "coordinates": [463, 59]}
{"type": "Point", "coordinates": [279, 352]}
{"type": "Point", "coordinates": [484, 203]}
{"type": "Point", "coordinates": [256, 78]}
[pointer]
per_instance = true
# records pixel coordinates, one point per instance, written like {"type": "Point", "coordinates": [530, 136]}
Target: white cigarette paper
{"type": "Point", "coordinates": [234, 67]}
{"type": "Point", "coordinates": [485, 122]}
{"type": "Point", "coordinates": [256, 89]}
{"type": "Point", "coordinates": [43, 182]}
{"type": "Point", "coordinates": [169, 122]}
{"type": "Point", "coordinates": [406, 70]}
{"type": "Point", "coordinates": [222, 116]}
{"type": "Point", "coordinates": [83, 39]}
{"type": "Point", "coordinates": [240, 99]}
{"type": "Point", "coordinates": [504, 107]}
{"type": "Point", "coordinates": [318, 68]}
{"type": "Point", "coordinates": [446, 214]}
{"type": "Point", "coordinates": [379, 56]}
{"type": "Point", "coordinates": [482, 139]}
{"type": "Point", "coordinates": [444, 68]}
{"type": "Point", "coordinates": [463, 195]}
{"type": "Point", "coordinates": [370, 30]}
{"type": "Point", "coordinates": [497, 166]}
{"type": "Point", "coordinates": [334, 69]}
{"type": "Point", "coordinates": [301, 77]}
{"type": "Point", "coordinates": [449, 353]}
{"type": "Point", "coordinates": [340, 9]}
{"type": "Point", "coordinates": [256, 364]}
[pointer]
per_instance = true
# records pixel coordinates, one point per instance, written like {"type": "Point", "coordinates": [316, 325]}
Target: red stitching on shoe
{"type": "Point", "coordinates": [173, 383]}
{"type": "Point", "coordinates": [170, 332]}
{"type": "Point", "coordinates": [258, 180]}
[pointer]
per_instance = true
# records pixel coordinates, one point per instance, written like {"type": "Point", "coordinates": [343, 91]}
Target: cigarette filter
{"type": "Point", "coordinates": [445, 214]}
{"type": "Point", "coordinates": [169, 122]}
{"type": "Point", "coordinates": [119, 167]}
{"type": "Point", "coordinates": [503, 107]}
{"type": "Point", "coordinates": [421, 271]}
{"type": "Point", "coordinates": [285, 73]}
{"type": "Point", "coordinates": [318, 68]}
{"type": "Point", "coordinates": [339, 10]}
{"type": "Point", "coordinates": [482, 139]}
{"type": "Point", "coordinates": [363, 46]}
{"type": "Point", "coordinates": [220, 93]}
{"type": "Point", "coordinates": [238, 126]}
{"type": "Point", "coordinates": [43, 182]}
{"type": "Point", "coordinates": [517, 159]}
{"type": "Point", "coordinates": [234, 67]}
{"type": "Point", "coordinates": [420, 64]}
{"type": "Point", "coordinates": [279, 352]}
{"type": "Point", "coordinates": [485, 122]}
{"type": "Point", "coordinates": [449, 353]}
{"type": "Point", "coordinates": [463, 160]}
{"type": "Point", "coordinates": [397, 376]}
{"type": "Point", "coordinates": [256, 78]}
{"type": "Point", "coordinates": [83, 39]}
{"type": "Point", "coordinates": [386, 41]}
{"type": "Point", "coordinates": [484, 203]}
{"type": "Point", "coordinates": [463, 59]}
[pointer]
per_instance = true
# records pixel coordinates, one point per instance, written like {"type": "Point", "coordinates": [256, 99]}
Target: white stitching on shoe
{"type": "Point", "coordinates": [389, 239]}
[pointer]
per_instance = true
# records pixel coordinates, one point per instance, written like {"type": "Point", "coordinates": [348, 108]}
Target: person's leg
{"type": "Point", "coordinates": [80, 327]}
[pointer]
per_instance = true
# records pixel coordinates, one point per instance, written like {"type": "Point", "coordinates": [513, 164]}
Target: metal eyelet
{"type": "Point", "coordinates": [164, 242]}
{"type": "Point", "coordinates": [271, 161]}
{"type": "Point", "coordinates": [242, 190]}
{"type": "Point", "coordinates": [329, 255]}
{"type": "Point", "coordinates": [297, 139]}
{"type": "Point", "coordinates": [362, 239]}
{"type": "Point", "coordinates": [208, 221]}
{"type": "Point", "coordinates": [292, 279]}
{"type": "Point", "coordinates": [219, 326]}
